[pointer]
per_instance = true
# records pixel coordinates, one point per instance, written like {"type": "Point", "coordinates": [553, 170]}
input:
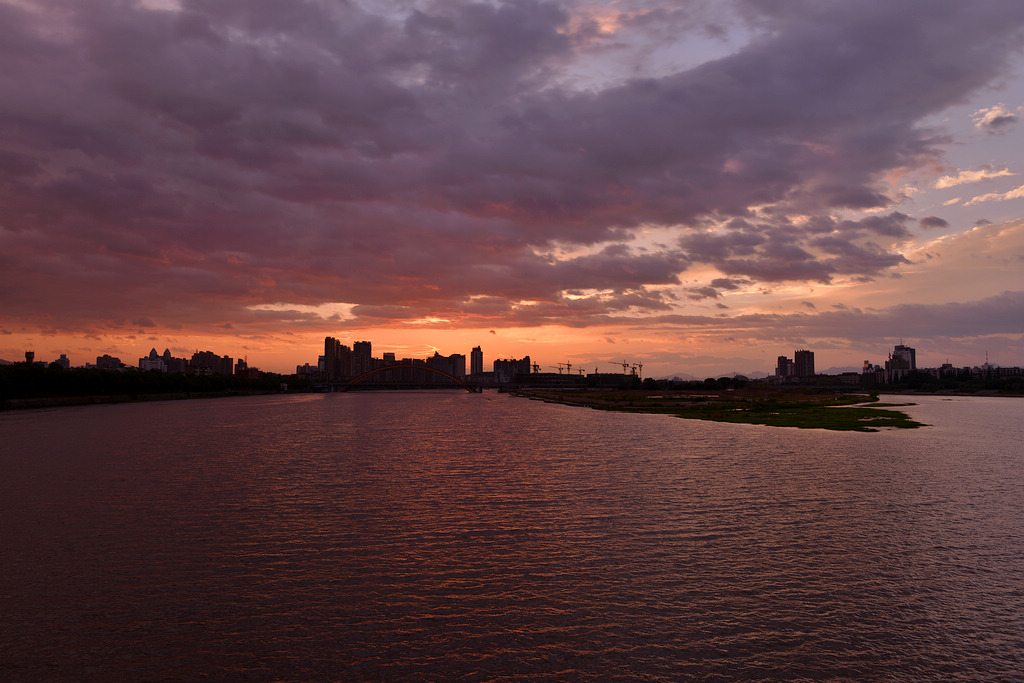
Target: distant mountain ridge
{"type": "Point", "coordinates": [839, 371]}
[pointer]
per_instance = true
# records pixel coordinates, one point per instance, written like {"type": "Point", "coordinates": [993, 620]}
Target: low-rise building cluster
{"type": "Point", "coordinates": [201, 363]}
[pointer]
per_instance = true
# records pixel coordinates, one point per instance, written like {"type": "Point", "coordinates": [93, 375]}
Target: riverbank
{"type": "Point", "coordinates": [859, 412]}
{"type": "Point", "coordinates": [44, 402]}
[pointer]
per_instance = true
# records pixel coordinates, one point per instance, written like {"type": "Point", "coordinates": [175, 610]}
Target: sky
{"type": "Point", "coordinates": [699, 186]}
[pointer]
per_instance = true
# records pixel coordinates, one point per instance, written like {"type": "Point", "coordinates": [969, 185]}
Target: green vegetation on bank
{"type": "Point", "coordinates": [24, 385]}
{"type": "Point", "coordinates": [772, 407]}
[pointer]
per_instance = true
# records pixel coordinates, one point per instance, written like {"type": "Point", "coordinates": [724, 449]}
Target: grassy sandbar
{"type": "Point", "coordinates": [772, 407]}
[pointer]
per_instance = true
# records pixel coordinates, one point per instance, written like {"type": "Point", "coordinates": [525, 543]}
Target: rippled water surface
{"type": "Point", "coordinates": [450, 536]}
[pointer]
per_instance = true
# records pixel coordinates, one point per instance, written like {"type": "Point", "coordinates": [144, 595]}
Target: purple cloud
{"type": "Point", "coordinates": [182, 165]}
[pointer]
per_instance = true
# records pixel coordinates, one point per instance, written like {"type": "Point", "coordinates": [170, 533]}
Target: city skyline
{"type": "Point", "coordinates": [340, 360]}
{"type": "Point", "coordinates": [699, 186]}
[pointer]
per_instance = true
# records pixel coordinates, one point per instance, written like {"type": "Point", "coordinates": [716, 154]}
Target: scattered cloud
{"type": "Point", "coordinates": [1015, 193]}
{"type": "Point", "coordinates": [984, 173]}
{"type": "Point", "coordinates": [996, 118]}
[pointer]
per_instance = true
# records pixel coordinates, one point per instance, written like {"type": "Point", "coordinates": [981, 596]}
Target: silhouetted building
{"type": "Point", "coordinates": [458, 364]}
{"type": "Point", "coordinates": [64, 362]}
{"type": "Point", "coordinates": [30, 357]}
{"type": "Point", "coordinates": [476, 361]}
{"type": "Point", "coordinates": [902, 361]}
{"type": "Point", "coordinates": [153, 362]}
{"type": "Point", "coordinates": [209, 363]}
{"type": "Point", "coordinates": [506, 370]}
{"type": "Point", "coordinates": [173, 364]}
{"type": "Point", "coordinates": [784, 367]}
{"type": "Point", "coordinates": [107, 362]}
{"type": "Point", "coordinates": [362, 358]}
{"type": "Point", "coordinates": [872, 374]}
{"type": "Point", "coordinates": [454, 364]}
{"type": "Point", "coordinates": [907, 354]}
{"type": "Point", "coordinates": [337, 360]}
{"type": "Point", "coordinates": [803, 363]}
{"type": "Point", "coordinates": [242, 369]}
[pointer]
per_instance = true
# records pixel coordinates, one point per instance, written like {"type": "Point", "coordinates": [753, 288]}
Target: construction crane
{"type": "Point", "coordinates": [561, 366]}
{"type": "Point", "coordinates": [624, 364]}
{"type": "Point", "coordinates": [535, 367]}
{"type": "Point", "coordinates": [638, 369]}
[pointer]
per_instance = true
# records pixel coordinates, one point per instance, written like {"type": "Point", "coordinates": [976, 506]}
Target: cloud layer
{"type": "Point", "coordinates": [461, 161]}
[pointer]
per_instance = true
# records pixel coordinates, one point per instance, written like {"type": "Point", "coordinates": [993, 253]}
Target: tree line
{"type": "Point", "coordinates": [23, 380]}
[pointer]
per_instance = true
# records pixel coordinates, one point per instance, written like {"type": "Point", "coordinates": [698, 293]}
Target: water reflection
{"type": "Point", "coordinates": [442, 535]}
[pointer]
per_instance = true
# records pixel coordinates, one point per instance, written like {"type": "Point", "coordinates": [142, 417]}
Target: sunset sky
{"type": "Point", "coordinates": [697, 185]}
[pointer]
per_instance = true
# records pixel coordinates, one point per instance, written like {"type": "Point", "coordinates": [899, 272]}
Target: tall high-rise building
{"type": "Point", "coordinates": [476, 361]}
{"type": "Point", "coordinates": [902, 361]}
{"type": "Point", "coordinates": [331, 357]}
{"type": "Point", "coordinates": [337, 360]}
{"type": "Point", "coordinates": [362, 358]}
{"type": "Point", "coordinates": [458, 364]}
{"type": "Point", "coordinates": [784, 367]}
{"type": "Point", "coordinates": [803, 363]}
{"type": "Point", "coordinates": [907, 354]}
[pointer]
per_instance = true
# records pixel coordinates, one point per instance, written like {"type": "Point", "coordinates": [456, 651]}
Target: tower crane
{"type": "Point", "coordinates": [624, 364]}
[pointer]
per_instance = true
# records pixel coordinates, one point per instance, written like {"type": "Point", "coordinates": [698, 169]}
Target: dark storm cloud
{"type": "Point", "coordinates": [183, 164]}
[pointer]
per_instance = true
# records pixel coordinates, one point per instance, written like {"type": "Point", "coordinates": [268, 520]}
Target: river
{"type": "Point", "coordinates": [439, 535]}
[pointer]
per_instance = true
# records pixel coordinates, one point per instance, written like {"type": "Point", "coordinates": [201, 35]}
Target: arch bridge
{"type": "Point", "coordinates": [407, 366]}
